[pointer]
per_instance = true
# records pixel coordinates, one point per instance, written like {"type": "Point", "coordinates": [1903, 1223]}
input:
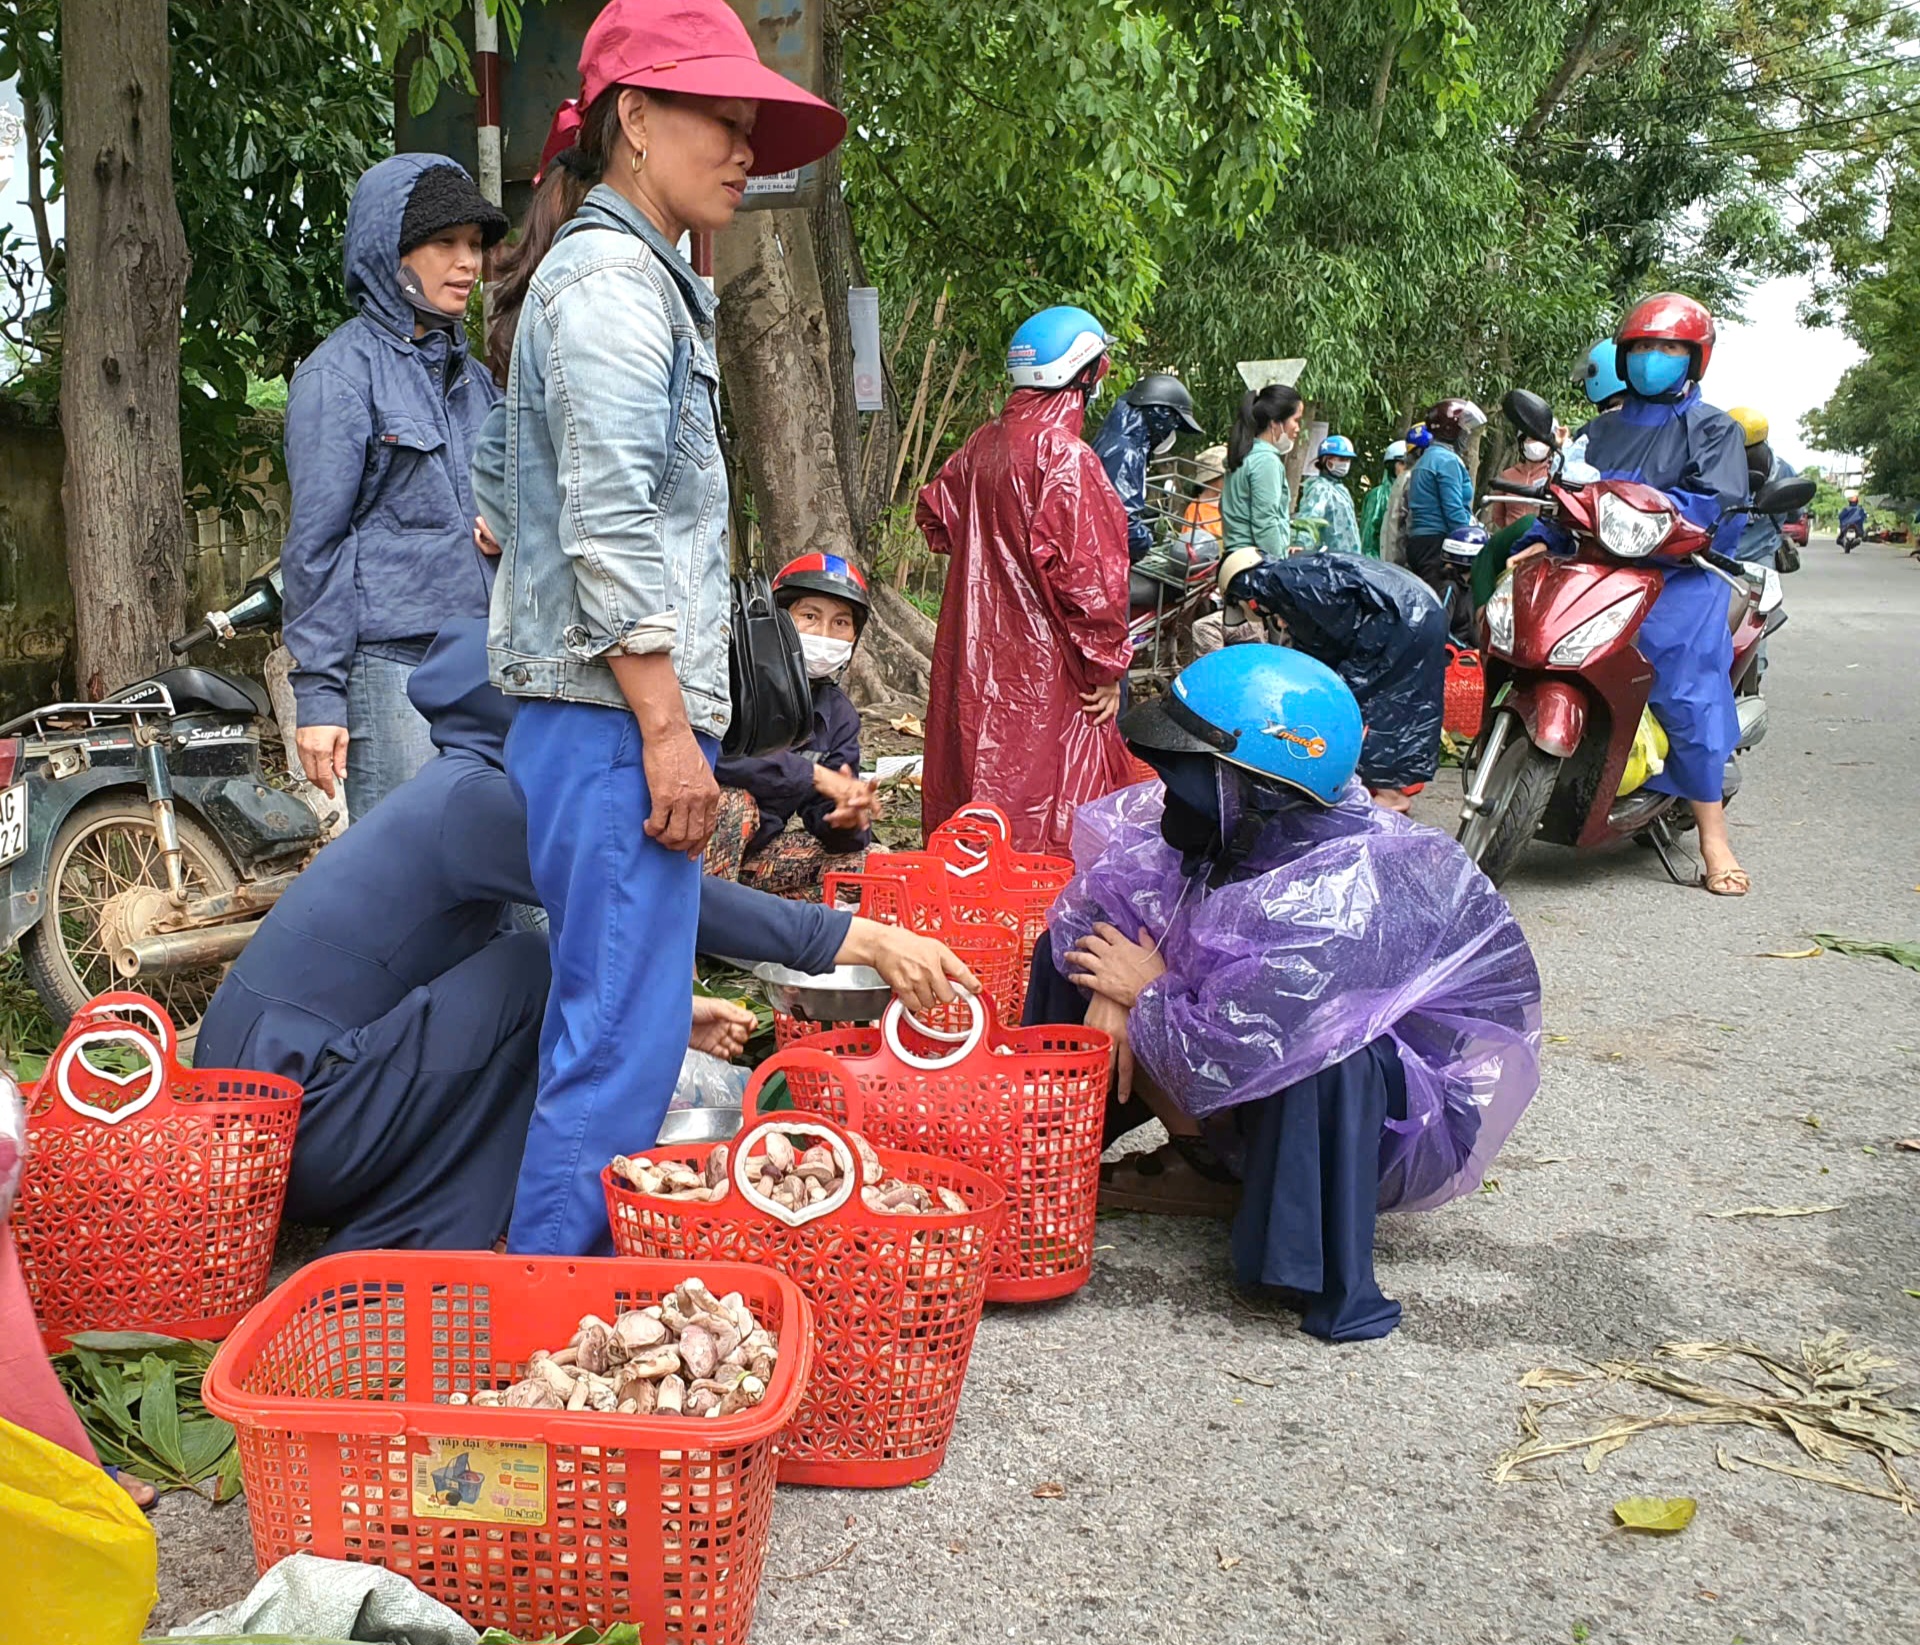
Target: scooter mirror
{"type": "Point", "coordinates": [1784, 495]}
{"type": "Point", "coordinates": [1530, 414]}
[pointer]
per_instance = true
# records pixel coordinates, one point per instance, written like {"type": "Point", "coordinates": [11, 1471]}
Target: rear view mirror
{"type": "Point", "coordinates": [1785, 495]}
{"type": "Point", "coordinates": [1530, 414]}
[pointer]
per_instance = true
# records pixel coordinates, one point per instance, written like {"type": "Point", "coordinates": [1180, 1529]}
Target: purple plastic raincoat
{"type": "Point", "coordinates": [1343, 925]}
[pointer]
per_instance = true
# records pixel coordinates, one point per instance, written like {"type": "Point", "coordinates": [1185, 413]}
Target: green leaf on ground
{"type": "Point", "coordinates": [160, 1413]}
{"type": "Point", "coordinates": [1664, 1515]}
{"type": "Point", "coordinates": [1901, 953]}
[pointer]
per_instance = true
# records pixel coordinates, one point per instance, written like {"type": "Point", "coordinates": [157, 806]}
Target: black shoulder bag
{"type": "Point", "coordinates": [772, 697]}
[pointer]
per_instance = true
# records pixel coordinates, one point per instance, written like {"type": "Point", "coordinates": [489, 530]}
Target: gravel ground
{"type": "Point", "coordinates": [1342, 1494]}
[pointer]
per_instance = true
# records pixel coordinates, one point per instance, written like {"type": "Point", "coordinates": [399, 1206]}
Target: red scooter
{"type": "Point", "coordinates": [1565, 685]}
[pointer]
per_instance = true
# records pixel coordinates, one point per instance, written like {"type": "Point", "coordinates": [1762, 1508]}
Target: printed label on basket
{"type": "Point", "coordinates": [500, 1482]}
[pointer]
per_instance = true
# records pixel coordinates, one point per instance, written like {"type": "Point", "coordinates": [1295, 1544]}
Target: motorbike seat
{"type": "Point", "coordinates": [203, 690]}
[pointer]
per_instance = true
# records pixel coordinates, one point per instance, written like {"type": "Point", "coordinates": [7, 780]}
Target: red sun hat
{"type": "Point", "coordinates": [701, 48]}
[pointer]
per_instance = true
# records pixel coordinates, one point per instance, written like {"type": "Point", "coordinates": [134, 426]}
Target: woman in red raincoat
{"type": "Point", "coordinates": [1032, 644]}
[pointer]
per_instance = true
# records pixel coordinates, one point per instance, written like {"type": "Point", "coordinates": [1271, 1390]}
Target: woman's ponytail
{"type": "Point", "coordinates": [1259, 412]}
{"type": "Point", "coordinates": [570, 174]}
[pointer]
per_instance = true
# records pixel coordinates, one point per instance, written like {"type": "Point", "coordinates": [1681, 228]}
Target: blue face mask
{"type": "Point", "coordinates": [1653, 374]}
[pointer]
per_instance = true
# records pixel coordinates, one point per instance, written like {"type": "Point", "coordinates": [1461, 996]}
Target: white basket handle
{"type": "Point", "coordinates": [843, 1156]}
{"type": "Point", "coordinates": [991, 816]}
{"type": "Point", "coordinates": [115, 1034]}
{"type": "Point", "coordinates": [967, 1043]}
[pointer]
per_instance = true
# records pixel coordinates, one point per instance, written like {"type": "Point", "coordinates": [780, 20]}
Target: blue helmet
{"type": "Point", "coordinates": [1054, 347]}
{"type": "Point", "coordinates": [1419, 437]}
{"type": "Point", "coordinates": [1599, 374]}
{"type": "Point", "coordinates": [1337, 445]}
{"type": "Point", "coordinates": [1265, 709]}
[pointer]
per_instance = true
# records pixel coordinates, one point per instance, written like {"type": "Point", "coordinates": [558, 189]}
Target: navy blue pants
{"type": "Point", "coordinates": [621, 912]}
{"type": "Point", "coordinates": [411, 1132]}
{"type": "Point", "coordinates": [1309, 1162]}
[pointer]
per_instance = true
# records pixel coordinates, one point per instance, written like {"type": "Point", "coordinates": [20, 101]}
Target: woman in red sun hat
{"type": "Point", "coordinates": [610, 609]}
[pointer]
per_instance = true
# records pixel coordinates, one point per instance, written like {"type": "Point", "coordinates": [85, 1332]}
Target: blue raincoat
{"type": "Point", "coordinates": [1696, 454]}
{"type": "Point", "coordinates": [1381, 629]}
{"type": "Point", "coordinates": [1125, 441]}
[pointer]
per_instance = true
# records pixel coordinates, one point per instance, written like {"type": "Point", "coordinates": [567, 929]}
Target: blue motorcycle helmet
{"type": "Point", "coordinates": [1337, 445]}
{"type": "Point", "coordinates": [1599, 374]}
{"type": "Point", "coordinates": [1271, 721]}
{"type": "Point", "coordinates": [1055, 348]}
{"type": "Point", "coordinates": [1419, 437]}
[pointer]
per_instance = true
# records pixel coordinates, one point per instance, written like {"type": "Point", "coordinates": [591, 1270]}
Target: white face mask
{"type": "Point", "coordinates": [1338, 470]}
{"type": "Point", "coordinates": [1535, 451]}
{"type": "Point", "coordinates": [825, 657]}
{"type": "Point", "coordinates": [1282, 443]}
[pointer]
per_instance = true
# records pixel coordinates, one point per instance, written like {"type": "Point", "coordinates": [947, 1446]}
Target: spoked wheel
{"type": "Point", "coordinates": [1517, 791]}
{"type": "Point", "coordinates": [105, 865]}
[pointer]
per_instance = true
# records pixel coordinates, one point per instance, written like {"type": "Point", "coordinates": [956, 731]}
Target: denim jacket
{"type": "Point", "coordinates": [379, 431]}
{"type": "Point", "coordinates": [615, 494]}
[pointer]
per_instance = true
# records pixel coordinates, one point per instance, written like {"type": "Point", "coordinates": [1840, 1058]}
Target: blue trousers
{"type": "Point", "coordinates": [621, 915]}
{"type": "Point", "coordinates": [387, 737]}
{"type": "Point", "coordinates": [1308, 1158]}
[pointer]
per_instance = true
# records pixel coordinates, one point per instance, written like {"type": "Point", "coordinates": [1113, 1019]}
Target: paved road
{"type": "Point", "coordinates": [1341, 1495]}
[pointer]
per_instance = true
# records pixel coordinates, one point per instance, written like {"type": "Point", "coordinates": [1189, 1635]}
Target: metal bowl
{"type": "Point", "coordinates": [689, 1125]}
{"type": "Point", "coordinates": [847, 993]}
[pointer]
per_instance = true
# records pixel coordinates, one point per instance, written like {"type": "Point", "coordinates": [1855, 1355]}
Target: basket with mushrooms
{"type": "Point", "coordinates": [690, 1354]}
{"type": "Point", "coordinates": [892, 1248]}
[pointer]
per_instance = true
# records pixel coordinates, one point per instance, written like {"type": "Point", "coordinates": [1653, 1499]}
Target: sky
{"type": "Point", "coordinates": [1780, 367]}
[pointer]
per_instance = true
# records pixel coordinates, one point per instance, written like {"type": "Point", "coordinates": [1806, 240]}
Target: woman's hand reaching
{"type": "Point", "coordinates": [720, 1027]}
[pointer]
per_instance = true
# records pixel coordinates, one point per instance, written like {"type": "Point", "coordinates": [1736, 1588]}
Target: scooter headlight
{"type": "Point", "coordinates": [1500, 616]}
{"type": "Point", "coordinates": [1629, 532]}
{"type": "Point", "coordinates": [1575, 648]}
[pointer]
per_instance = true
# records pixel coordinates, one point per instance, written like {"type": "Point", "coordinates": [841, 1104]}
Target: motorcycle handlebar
{"type": "Point", "coordinates": [197, 635]}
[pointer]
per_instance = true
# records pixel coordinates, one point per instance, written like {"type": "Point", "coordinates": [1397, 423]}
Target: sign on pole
{"type": "Point", "coordinates": [1259, 374]}
{"type": "Point", "coordinates": [863, 320]}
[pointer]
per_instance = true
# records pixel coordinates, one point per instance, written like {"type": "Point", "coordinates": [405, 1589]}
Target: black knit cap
{"type": "Point", "coordinates": [444, 197]}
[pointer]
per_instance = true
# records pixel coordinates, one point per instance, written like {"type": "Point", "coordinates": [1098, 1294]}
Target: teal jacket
{"type": "Point", "coordinates": [1256, 504]}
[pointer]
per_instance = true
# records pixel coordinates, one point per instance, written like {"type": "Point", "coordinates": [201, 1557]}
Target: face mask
{"type": "Point", "coordinates": [1337, 470]}
{"type": "Point", "coordinates": [1654, 374]}
{"type": "Point", "coordinates": [1535, 451]}
{"type": "Point", "coordinates": [1283, 443]}
{"type": "Point", "coordinates": [825, 657]}
{"type": "Point", "coordinates": [1166, 445]}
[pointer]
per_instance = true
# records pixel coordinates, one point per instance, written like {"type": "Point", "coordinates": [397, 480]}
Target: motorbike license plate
{"type": "Point", "coordinates": [13, 823]}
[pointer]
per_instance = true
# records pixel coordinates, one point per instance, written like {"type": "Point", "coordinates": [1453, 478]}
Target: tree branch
{"type": "Point", "coordinates": [1382, 79]}
{"type": "Point", "coordinates": [1579, 59]}
{"type": "Point", "coordinates": [921, 211]}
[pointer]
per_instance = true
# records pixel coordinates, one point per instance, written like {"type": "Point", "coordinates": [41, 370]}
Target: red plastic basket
{"type": "Point", "coordinates": [1018, 887]}
{"type": "Point", "coordinates": [910, 888]}
{"type": "Point", "coordinates": [1466, 692]}
{"type": "Point", "coordinates": [338, 1385]}
{"type": "Point", "coordinates": [151, 1199]}
{"type": "Point", "coordinates": [896, 1299]}
{"type": "Point", "coordinates": [1025, 1105]}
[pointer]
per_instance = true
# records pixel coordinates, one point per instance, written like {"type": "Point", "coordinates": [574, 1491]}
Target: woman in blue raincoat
{"type": "Point", "coordinates": [1664, 435]}
{"type": "Point", "coordinates": [1327, 1005]}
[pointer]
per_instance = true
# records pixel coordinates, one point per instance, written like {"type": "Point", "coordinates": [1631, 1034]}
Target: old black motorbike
{"type": "Point", "coordinates": [142, 837]}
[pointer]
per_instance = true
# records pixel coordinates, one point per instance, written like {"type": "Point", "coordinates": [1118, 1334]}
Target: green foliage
{"type": "Point", "coordinates": [138, 1396]}
{"type": "Point", "coordinates": [278, 106]}
{"type": "Point", "coordinates": [443, 52]}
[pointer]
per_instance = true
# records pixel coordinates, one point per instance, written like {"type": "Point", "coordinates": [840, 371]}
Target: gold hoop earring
{"type": "Point", "coordinates": [639, 160]}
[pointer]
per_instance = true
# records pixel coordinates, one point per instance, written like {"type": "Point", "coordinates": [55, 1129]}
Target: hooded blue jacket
{"type": "Point", "coordinates": [420, 884]}
{"type": "Point", "coordinates": [379, 434]}
{"type": "Point", "coordinates": [1123, 445]}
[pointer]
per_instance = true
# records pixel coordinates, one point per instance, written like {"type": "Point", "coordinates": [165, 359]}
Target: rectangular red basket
{"type": "Point", "coordinates": [338, 1386]}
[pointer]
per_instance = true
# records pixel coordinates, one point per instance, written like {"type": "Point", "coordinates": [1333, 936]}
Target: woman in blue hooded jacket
{"type": "Point", "coordinates": [381, 419]}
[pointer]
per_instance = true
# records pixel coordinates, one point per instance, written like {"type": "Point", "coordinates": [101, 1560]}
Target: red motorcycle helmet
{"type": "Point", "coordinates": [1669, 317]}
{"type": "Point", "coordinates": [828, 574]}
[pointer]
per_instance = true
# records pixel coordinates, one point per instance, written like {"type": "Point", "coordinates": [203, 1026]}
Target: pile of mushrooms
{"type": "Point", "coordinates": [691, 1354]}
{"type": "Point", "coordinates": [788, 1177]}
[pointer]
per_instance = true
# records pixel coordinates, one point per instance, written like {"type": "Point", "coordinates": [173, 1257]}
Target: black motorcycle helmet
{"type": "Point", "coordinates": [1160, 388]}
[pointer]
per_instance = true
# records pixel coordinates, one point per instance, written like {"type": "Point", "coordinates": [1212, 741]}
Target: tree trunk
{"type": "Point", "coordinates": [1382, 81]}
{"type": "Point", "coordinates": [120, 367]}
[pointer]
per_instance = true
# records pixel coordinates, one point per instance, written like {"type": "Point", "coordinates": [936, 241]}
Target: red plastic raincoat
{"type": "Point", "coordinates": [1035, 614]}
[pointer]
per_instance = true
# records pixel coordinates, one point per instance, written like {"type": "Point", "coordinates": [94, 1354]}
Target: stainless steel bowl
{"type": "Point", "coordinates": [847, 993]}
{"type": "Point", "coordinates": [689, 1125]}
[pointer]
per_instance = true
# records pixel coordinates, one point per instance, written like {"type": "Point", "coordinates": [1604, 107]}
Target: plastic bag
{"type": "Point", "coordinates": [81, 1559]}
{"type": "Point", "coordinates": [707, 1082]}
{"type": "Point", "coordinates": [1648, 756]}
{"type": "Point", "coordinates": [1346, 924]}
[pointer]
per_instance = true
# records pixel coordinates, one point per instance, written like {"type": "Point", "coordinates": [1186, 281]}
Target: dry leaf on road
{"type": "Point", "coordinates": [1228, 1561]}
{"type": "Point", "coordinates": [1792, 954]}
{"type": "Point", "coordinates": [1655, 1513]}
{"type": "Point", "coordinates": [908, 726]}
{"type": "Point", "coordinates": [1051, 1491]}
